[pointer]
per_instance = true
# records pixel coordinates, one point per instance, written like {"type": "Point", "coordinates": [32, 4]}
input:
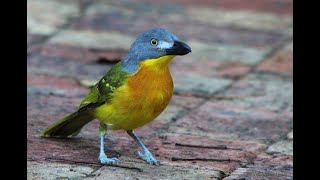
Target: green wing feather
{"type": "Point", "coordinates": [100, 93]}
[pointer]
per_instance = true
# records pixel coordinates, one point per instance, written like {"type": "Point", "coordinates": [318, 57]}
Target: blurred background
{"type": "Point", "coordinates": [235, 88]}
{"type": "Point", "coordinates": [229, 39]}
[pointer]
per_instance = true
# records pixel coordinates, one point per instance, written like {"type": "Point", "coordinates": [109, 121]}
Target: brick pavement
{"type": "Point", "coordinates": [231, 114]}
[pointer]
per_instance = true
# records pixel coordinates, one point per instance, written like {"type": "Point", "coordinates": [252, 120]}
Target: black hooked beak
{"type": "Point", "coordinates": [178, 48]}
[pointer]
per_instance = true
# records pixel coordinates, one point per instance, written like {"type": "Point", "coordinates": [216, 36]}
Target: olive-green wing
{"type": "Point", "coordinates": [100, 93]}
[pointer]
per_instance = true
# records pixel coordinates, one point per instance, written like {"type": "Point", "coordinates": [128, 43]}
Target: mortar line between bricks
{"type": "Point", "coordinates": [188, 110]}
{"type": "Point", "coordinates": [241, 166]}
{"type": "Point", "coordinates": [283, 137]}
{"type": "Point", "coordinates": [56, 159]}
{"type": "Point", "coordinates": [272, 52]}
{"type": "Point", "coordinates": [252, 69]}
{"type": "Point", "coordinates": [166, 126]}
{"type": "Point", "coordinates": [205, 99]}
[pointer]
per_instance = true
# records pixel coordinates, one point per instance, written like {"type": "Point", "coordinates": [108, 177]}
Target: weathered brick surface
{"type": "Point", "coordinates": [114, 40]}
{"type": "Point", "coordinates": [227, 53]}
{"type": "Point", "coordinates": [187, 102]}
{"type": "Point", "coordinates": [93, 39]}
{"type": "Point", "coordinates": [165, 171]}
{"type": "Point", "coordinates": [283, 146]}
{"type": "Point", "coordinates": [226, 120]}
{"type": "Point", "coordinates": [199, 85]}
{"type": "Point", "coordinates": [212, 68]}
{"type": "Point", "coordinates": [247, 40]}
{"type": "Point", "coordinates": [220, 155]}
{"type": "Point", "coordinates": [280, 63]}
{"type": "Point", "coordinates": [61, 67]}
{"type": "Point", "coordinates": [63, 86]}
{"type": "Point", "coordinates": [268, 91]}
{"type": "Point", "coordinates": [274, 6]}
{"type": "Point", "coordinates": [97, 14]}
{"type": "Point", "coordinates": [232, 110]}
{"type": "Point", "coordinates": [277, 166]}
{"type": "Point", "coordinates": [45, 18]}
{"type": "Point", "coordinates": [83, 55]}
{"type": "Point", "coordinates": [39, 171]}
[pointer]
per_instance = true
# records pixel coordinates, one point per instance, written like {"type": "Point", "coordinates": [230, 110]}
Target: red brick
{"type": "Point", "coordinates": [226, 34]}
{"type": "Point", "coordinates": [62, 67]}
{"type": "Point", "coordinates": [277, 166]}
{"type": "Point", "coordinates": [79, 54]}
{"type": "Point", "coordinates": [273, 6]}
{"type": "Point", "coordinates": [232, 70]}
{"type": "Point", "coordinates": [210, 67]}
{"type": "Point", "coordinates": [225, 120]}
{"type": "Point", "coordinates": [184, 150]}
{"type": "Point", "coordinates": [45, 81]}
{"type": "Point", "coordinates": [265, 91]}
{"type": "Point", "coordinates": [274, 159]}
{"type": "Point", "coordinates": [200, 142]}
{"type": "Point", "coordinates": [281, 63]}
{"type": "Point", "coordinates": [185, 65]}
{"type": "Point", "coordinates": [187, 102]}
{"type": "Point", "coordinates": [55, 85]}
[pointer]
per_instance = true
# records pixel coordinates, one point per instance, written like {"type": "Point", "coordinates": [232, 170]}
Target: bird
{"type": "Point", "coordinates": [131, 94]}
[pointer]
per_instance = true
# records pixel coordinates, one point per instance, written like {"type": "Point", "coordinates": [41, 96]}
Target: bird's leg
{"type": "Point", "coordinates": [147, 156]}
{"type": "Point", "coordinates": [103, 157]}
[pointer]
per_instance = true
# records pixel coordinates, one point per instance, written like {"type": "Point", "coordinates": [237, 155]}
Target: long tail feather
{"type": "Point", "coordinates": [69, 125]}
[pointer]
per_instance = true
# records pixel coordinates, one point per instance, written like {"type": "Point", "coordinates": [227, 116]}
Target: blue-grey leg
{"type": "Point", "coordinates": [147, 156]}
{"type": "Point", "coordinates": [103, 157]}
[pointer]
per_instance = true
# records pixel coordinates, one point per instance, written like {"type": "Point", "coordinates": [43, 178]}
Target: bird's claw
{"type": "Point", "coordinates": [148, 158]}
{"type": "Point", "coordinates": [108, 161]}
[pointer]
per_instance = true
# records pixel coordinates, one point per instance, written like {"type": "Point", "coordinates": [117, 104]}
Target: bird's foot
{"type": "Point", "coordinates": [105, 160]}
{"type": "Point", "coordinates": [147, 156]}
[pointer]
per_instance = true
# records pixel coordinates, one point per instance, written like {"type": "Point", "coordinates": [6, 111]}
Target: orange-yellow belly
{"type": "Point", "coordinates": [143, 97]}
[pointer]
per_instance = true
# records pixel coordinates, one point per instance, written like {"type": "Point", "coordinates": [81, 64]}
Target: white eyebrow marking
{"type": "Point", "coordinates": [164, 45]}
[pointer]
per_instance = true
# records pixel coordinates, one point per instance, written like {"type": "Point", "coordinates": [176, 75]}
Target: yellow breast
{"type": "Point", "coordinates": [143, 97]}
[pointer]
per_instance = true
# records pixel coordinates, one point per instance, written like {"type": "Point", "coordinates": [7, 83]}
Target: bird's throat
{"type": "Point", "coordinates": [157, 64]}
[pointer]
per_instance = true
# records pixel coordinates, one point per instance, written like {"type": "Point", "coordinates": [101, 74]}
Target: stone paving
{"type": "Point", "coordinates": [231, 115]}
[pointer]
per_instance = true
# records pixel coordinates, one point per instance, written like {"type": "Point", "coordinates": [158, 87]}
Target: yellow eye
{"type": "Point", "coordinates": [154, 42]}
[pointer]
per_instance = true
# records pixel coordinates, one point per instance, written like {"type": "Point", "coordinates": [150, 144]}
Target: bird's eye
{"type": "Point", "coordinates": [154, 42]}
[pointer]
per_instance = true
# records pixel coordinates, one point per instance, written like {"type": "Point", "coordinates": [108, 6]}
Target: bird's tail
{"type": "Point", "coordinates": [69, 125]}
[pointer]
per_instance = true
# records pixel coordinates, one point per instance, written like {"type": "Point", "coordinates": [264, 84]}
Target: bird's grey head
{"type": "Point", "coordinates": [152, 44]}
